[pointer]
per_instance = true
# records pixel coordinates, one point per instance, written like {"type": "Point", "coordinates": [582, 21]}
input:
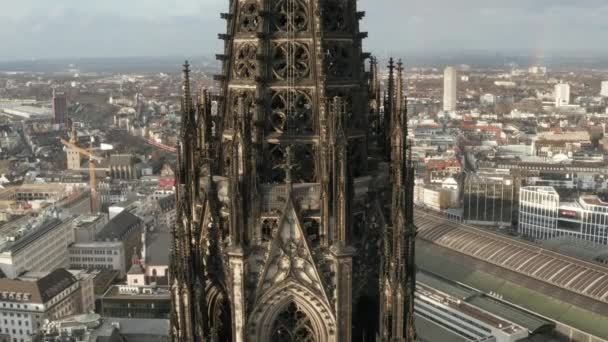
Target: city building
{"type": "Point", "coordinates": [437, 196]}
{"type": "Point", "coordinates": [135, 301]}
{"type": "Point", "coordinates": [542, 216]}
{"type": "Point", "coordinates": [156, 257]}
{"type": "Point", "coordinates": [88, 226]}
{"type": "Point", "coordinates": [29, 112]}
{"type": "Point", "coordinates": [439, 169]}
{"type": "Point", "coordinates": [114, 246]}
{"type": "Point", "coordinates": [25, 304]}
{"type": "Point", "coordinates": [604, 90]}
{"type": "Point", "coordinates": [60, 107]}
{"type": "Point", "coordinates": [549, 144]}
{"type": "Point", "coordinates": [36, 244]}
{"type": "Point", "coordinates": [98, 255]}
{"type": "Point", "coordinates": [95, 328]}
{"type": "Point", "coordinates": [122, 166]}
{"type": "Point", "coordinates": [489, 198]}
{"type": "Point", "coordinates": [562, 94]}
{"type": "Point", "coordinates": [450, 89]}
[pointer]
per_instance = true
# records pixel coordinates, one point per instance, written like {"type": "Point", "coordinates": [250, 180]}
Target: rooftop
{"type": "Point", "coordinates": [118, 226]}
{"type": "Point", "coordinates": [17, 238]}
{"type": "Point", "coordinates": [565, 136]}
{"type": "Point", "coordinates": [157, 248]}
{"type": "Point", "coordinates": [41, 290]}
{"type": "Point", "coordinates": [94, 328]}
{"type": "Point", "coordinates": [593, 200]}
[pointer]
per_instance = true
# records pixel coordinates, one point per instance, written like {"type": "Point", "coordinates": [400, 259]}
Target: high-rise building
{"type": "Point", "coordinates": [604, 90]}
{"type": "Point", "coordinates": [562, 94]}
{"type": "Point", "coordinates": [60, 107]}
{"type": "Point", "coordinates": [450, 89]}
{"type": "Point", "coordinates": [282, 209]}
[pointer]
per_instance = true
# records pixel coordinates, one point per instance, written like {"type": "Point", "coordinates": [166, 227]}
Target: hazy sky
{"type": "Point", "coordinates": [100, 28]}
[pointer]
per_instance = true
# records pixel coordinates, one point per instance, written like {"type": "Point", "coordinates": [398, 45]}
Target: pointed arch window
{"type": "Point", "coordinates": [292, 325]}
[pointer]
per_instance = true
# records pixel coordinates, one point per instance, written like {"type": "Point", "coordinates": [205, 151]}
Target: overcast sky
{"type": "Point", "coordinates": [101, 28]}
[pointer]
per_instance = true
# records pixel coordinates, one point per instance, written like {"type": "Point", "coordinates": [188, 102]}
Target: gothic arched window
{"type": "Point", "coordinates": [292, 325]}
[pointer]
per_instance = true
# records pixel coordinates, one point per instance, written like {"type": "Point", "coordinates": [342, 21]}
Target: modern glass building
{"type": "Point", "coordinates": [543, 216]}
{"type": "Point", "coordinates": [488, 199]}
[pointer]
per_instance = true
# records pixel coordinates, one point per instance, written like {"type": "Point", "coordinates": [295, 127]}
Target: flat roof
{"type": "Point", "coordinates": [489, 317]}
{"type": "Point", "coordinates": [430, 331]}
{"type": "Point", "coordinates": [31, 235]}
{"type": "Point", "coordinates": [455, 290]}
{"type": "Point", "coordinates": [594, 200]}
{"type": "Point", "coordinates": [532, 323]}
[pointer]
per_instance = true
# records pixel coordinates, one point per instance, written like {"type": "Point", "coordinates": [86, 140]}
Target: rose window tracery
{"type": "Point", "coordinates": [245, 64]}
{"type": "Point", "coordinates": [291, 60]}
{"type": "Point", "coordinates": [292, 325]}
{"type": "Point", "coordinates": [291, 15]}
{"type": "Point", "coordinates": [291, 112]}
{"type": "Point", "coordinates": [250, 18]}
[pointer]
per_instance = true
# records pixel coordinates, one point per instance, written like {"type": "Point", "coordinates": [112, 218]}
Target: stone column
{"type": "Point", "coordinates": [343, 262]}
{"type": "Point", "coordinates": [236, 258]}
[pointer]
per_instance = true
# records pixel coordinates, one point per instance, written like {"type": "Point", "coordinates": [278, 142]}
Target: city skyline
{"type": "Point", "coordinates": [73, 29]}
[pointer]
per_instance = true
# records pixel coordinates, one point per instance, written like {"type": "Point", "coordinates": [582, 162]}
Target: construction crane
{"type": "Point", "coordinates": [71, 145]}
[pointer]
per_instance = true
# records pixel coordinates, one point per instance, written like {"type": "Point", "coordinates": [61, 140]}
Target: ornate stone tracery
{"type": "Point", "coordinates": [245, 64]}
{"type": "Point", "coordinates": [288, 186]}
{"type": "Point", "coordinates": [334, 16]}
{"type": "Point", "coordinates": [292, 325]}
{"type": "Point", "coordinates": [249, 20]}
{"type": "Point", "coordinates": [291, 112]}
{"type": "Point", "coordinates": [291, 15]}
{"type": "Point", "coordinates": [291, 59]}
{"type": "Point", "coordinates": [338, 60]}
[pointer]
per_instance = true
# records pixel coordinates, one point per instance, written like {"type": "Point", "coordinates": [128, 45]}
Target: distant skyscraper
{"type": "Point", "coordinates": [562, 94]}
{"type": "Point", "coordinates": [60, 107]}
{"type": "Point", "coordinates": [604, 91]}
{"type": "Point", "coordinates": [450, 92]}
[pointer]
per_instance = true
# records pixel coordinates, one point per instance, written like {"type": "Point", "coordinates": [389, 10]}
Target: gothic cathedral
{"type": "Point", "coordinates": [295, 201]}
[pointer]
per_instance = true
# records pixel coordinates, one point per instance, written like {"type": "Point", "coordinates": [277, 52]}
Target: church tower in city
{"type": "Point", "coordinates": [294, 202]}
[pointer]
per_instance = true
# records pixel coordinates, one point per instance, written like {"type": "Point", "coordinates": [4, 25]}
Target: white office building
{"type": "Point", "coordinates": [543, 216]}
{"type": "Point", "coordinates": [562, 94]}
{"type": "Point", "coordinates": [36, 246]}
{"type": "Point", "coordinates": [604, 91]}
{"type": "Point", "coordinates": [25, 304]}
{"type": "Point", "coordinates": [450, 89]}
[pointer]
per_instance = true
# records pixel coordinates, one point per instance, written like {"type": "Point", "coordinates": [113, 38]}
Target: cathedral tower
{"type": "Point", "coordinates": [281, 208]}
